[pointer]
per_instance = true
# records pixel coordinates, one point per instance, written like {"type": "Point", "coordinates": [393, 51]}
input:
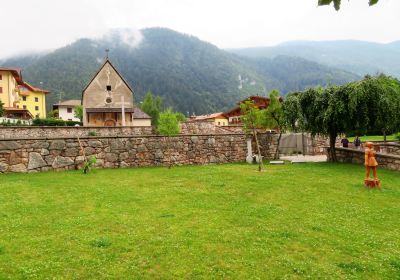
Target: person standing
{"type": "Point", "coordinates": [357, 143]}
{"type": "Point", "coordinates": [345, 142]}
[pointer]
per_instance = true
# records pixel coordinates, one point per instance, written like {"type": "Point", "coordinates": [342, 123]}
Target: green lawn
{"type": "Point", "coordinates": [367, 138]}
{"type": "Point", "coordinates": [194, 222]}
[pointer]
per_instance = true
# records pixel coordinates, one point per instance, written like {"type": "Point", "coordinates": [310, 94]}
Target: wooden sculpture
{"type": "Point", "coordinates": [371, 163]}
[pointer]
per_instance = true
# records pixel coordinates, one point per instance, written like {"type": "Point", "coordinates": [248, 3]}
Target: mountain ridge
{"type": "Point", "coordinates": [189, 74]}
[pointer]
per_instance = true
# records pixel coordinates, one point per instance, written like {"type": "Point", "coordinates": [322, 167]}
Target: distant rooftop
{"type": "Point", "coordinates": [72, 102]}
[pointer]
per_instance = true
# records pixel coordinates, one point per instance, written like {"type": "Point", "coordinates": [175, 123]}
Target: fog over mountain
{"type": "Point", "coordinates": [355, 56]}
{"type": "Point", "coordinates": [191, 75]}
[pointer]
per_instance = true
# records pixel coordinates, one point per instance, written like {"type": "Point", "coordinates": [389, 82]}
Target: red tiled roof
{"type": "Point", "coordinates": [34, 89]}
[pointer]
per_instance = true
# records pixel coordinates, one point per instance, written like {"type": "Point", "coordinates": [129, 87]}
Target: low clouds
{"type": "Point", "coordinates": [48, 24]}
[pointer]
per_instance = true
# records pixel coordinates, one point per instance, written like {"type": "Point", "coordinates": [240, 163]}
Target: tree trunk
{"type": "Point", "coordinates": [384, 135]}
{"type": "Point", "coordinates": [260, 163]}
{"type": "Point", "coordinates": [277, 146]}
{"type": "Point", "coordinates": [332, 149]}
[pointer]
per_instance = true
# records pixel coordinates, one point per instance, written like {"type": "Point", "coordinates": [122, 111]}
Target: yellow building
{"type": "Point", "coordinates": [21, 100]}
{"type": "Point", "coordinates": [33, 99]}
{"type": "Point", "coordinates": [10, 79]}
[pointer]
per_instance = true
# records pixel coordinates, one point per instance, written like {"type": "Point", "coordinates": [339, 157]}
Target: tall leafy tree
{"type": "Point", "coordinates": [1, 108]}
{"type": "Point", "coordinates": [336, 3]}
{"type": "Point", "coordinates": [151, 105]}
{"type": "Point", "coordinates": [168, 126]}
{"type": "Point", "coordinates": [252, 119]}
{"type": "Point", "coordinates": [78, 112]}
{"type": "Point", "coordinates": [370, 104]}
{"type": "Point", "coordinates": [274, 117]}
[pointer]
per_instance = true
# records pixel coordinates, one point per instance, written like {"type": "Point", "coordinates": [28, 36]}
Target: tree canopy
{"type": "Point", "coordinates": [152, 105]}
{"type": "Point", "coordinates": [274, 117]}
{"type": "Point", "coordinates": [368, 105]}
{"type": "Point", "coordinates": [251, 118]}
{"type": "Point", "coordinates": [1, 108]}
{"type": "Point", "coordinates": [336, 3]}
{"type": "Point", "coordinates": [168, 124]}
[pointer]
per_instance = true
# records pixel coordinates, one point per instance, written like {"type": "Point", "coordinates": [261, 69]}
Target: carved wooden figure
{"type": "Point", "coordinates": [371, 163]}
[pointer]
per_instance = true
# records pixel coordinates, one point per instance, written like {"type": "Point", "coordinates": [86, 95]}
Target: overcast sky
{"type": "Point", "coordinates": [34, 25]}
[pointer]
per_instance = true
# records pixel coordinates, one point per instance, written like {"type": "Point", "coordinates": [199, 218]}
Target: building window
{"type": "Point", "coordinates": [37, 108]}
{"type": "Point", "coordinates": [36, 99]}
{"type": "Point", "coordinates": [1, 77]}
{"type": "Point", "coordinates": [108, 88]}
{"type": "Point", "coordinates": [69, 110]}
{"type": "Point", "coordinates": [24, 98]}
{"type": "Point", "coordinates": [24, 106]}
{"type": "Point", "coordinates": [1, 90]}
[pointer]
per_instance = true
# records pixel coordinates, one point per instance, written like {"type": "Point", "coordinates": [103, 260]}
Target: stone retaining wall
{"type": "Point", "coordinates": [33, 155]}
{"type": "Point", "coordinates": [357, 156]}
{"type": "Point", "coordinates": [18, 132]}
{"type": "Point", "coordinates": [12, 132]}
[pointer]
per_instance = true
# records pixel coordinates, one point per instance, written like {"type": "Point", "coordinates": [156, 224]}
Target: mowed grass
{"type": "Point", "coordinates": [201, 222]}
{"type": "Point", "coordinates": [367, 138]}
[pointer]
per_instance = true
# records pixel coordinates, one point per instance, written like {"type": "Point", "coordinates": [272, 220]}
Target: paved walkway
{"type": "Point", "coordinates": [320, 158]}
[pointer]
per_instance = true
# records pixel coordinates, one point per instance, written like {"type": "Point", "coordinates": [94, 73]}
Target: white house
{"type": "Point", "coordinates": [66, 110]}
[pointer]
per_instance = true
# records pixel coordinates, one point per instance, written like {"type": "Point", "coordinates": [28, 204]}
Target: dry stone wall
{"type": "Point", "coordinates": [18, 132]}
{"type": "Point", "coordinates": [34, 155]}
{"type": "Point", "coordinates": [349, 155]}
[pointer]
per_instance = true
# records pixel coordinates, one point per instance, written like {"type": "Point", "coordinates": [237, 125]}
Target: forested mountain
{"type": "Point", "coordinates": [355, 56]}
{"type": "Point", "coordinates": [190, 75]}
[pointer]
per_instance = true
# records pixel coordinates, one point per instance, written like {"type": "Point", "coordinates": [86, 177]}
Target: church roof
{"type": "Point", "coordinates": [98, 71]}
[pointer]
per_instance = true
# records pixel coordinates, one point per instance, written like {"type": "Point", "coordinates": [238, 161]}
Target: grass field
{"type": "Point", "coordinates": [367, 138]}
{"type": "Point", "coordinates": [196, 222]}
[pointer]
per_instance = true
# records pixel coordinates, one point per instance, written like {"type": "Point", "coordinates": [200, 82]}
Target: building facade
{"type": "Point", "coordinates": [66, 110]}
{"type": "Point", "coordinates": [218, 119]}
{"type": "Point", "coordinates": [33, 99]}
{"type": "Point", "coordinates": [234, 114]}
{"type": "Point", "coordinates": [21, 100]}
{"type": "Point", "coordinates": [108, 100]}
{"type": "Point", "coordinates": [10, 79]}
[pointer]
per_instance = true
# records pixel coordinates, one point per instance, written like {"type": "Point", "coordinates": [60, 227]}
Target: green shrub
{"type": "Point", "coordinates": [398, 136]}
{"type": "Point", "coordinates": [88, 164]}
{"type": "Point", "coordinates": [92, 133]}
{"type": "Point", "coordinates": [53, 122]}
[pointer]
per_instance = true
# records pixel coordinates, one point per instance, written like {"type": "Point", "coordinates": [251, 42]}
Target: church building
{"type": "Point", "coordinates": [108, 101]}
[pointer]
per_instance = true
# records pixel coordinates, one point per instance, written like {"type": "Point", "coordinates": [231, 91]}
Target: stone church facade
{"type": "Point", "coordinates": [108, 101]}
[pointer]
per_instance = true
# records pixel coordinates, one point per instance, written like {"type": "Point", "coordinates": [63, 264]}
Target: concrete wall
{"type": "Point", "coordinates": [357, 156]}
{"type": "Point", "coordinates": [34, 155]}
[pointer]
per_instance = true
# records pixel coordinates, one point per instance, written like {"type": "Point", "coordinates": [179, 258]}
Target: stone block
{"type": "Point", "coordinates": [95, 144]}
{"type": "Point", "coordinates": [19, 168]}
{"type": "Point", "coordinates": [40, 145]}
{"type": "Point", "coordinates": [72, 152]}
{"type": "Point", "coordinates": [60, 161]}
{"type": "Point", "coordinates": [9, 145]}
{"type": "Point", "coordinates": [57, 145]}
{"type": "Point", "coordinates": [35, 161]}
{"type": "Point", "coordinates": [3, 167]}
{"type": "Point", "coordinates": [111, 157]}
